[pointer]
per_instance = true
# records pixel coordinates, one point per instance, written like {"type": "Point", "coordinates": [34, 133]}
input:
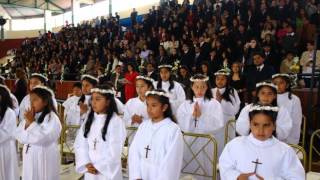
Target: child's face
{"type": "Point", "coordinates": [141, 88]}
{"type": "Point", "coordinates": [34, 82]}
{"type": "Point", "coordinates": [199, 89]}
{"type": "Point", "coordinates": [99, 103]}
{"type": "Point", "coordinates": [149, 68]}
{"type": "Point", "coordinates": [76, 91]}
{"type": "Point", "coordinates": [86, 87]}
{"type": "Point", "coordinates": [262, 126]}
{"type": "Point", "coordinates": [266, 95]}
{"type": "Point", "coordinates": [37, 103]}
{"type": "Point", "coordinates": [164, 74]}
{"type": "Point", "coordinates": [221, 81]}
{"type": "Point", "coordinates": [155, 109]}
{"type": "Point", "coordinates": [281, 83]}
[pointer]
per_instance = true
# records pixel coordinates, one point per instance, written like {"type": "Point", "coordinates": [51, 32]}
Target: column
{"type": "Point", "coordinates": [75, 12]}
{"type": "Point", "coordinates": [47, 20]}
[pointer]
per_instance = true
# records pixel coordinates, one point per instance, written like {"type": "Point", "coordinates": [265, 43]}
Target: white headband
{"type": "Point", "coordinates": [102, 91]}
{"type": "Point", "coordinates": [165, 66]}
{"type": "Point", "coordinates": [145, 78]}
{"type": "Point", "coordinates": [205, 79]}
{"type": "Point", "coordinates": [266, 84]}
{"type": "Point", "coordinates": [280, 75]}
{"type": "Point", "coordinates": [224, 73]}
{"type": "Point", "coordinates": [39, 75]}
{"type": "Point", "coordinates": [3, 78]}
{"type": "Point", "coordinates": [5, 87]}
{"type": "Point", "coordinates": [90, 77]}
{"type": "Point", "coordinates": [45, 88]}
{"type": "Point", "coordinates": [157, 93]}
{"type": "Point", "coordinates": [264, 108]}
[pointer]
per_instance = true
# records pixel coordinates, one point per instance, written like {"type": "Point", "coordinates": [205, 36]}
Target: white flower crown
{"type": "Point", "coordinates": [264, 108]}
{"type": "Point", "coordinates": [165, 66]}
{"type": "Point", "coordinates": [3, 78]}
{"type": "Point", "coordinates": [266, 84]}
{"type": "Point", "coordinates": [145, 78]}
{"type": "Point", "coordinates": [39, 75]}
{"type": "Point", "coordinates": [157, 93]}
{"type": "Point", "coordinates": [224, 73]}
{"type": "Point", "coordinates": [280, 75]}
{"type": "Point", "coordinates": [5, 87]}
{"type": "Point", "coordinates": [193, 79]}
{"type": "Point", "coordinates": [102, 91]}
{"type": "Point", "coordinates": [45, 88]}
{"type": "Point", "coordinates": [90, 77]}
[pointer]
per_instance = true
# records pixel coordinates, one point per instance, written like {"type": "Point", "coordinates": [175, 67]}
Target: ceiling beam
{"type": "Point", "coordinates": [31, 6]}
{"type": "Point", "coordinates": [56, 5]}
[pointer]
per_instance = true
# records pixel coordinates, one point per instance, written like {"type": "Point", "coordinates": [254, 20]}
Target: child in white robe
{"type": "Point", "coordinates": [35, 80]}
{"type": "Point", "coordinates": [260, 155]}
{"type": "Point", "coordinates": [156, 151]}
{"type": "Point", "coordinates": [175, 90]}
{"type": "Point", "coordinates": [71, 102]}
{"type": "Point", "coordinates": [15, 102]}
{"type": "Point", "coordinates": [39, 133]}
{"type": "Point", "coordinates": [229, 100]}
{"type": "Point", "coordinates": [100, 140]}
{"type": "Point", "coordinates": [135, 110]}
{"type": "Point", "coordinates": [266, 96]}
{"type": "Point", "coordinates": [8, 152]}
{"type": "Point", "coordinates": [200, 114]}
{"type": "Point", "coordinates": [291, 102]}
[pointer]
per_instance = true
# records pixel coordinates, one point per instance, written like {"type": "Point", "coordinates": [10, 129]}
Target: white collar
{"type": "Point", "coordinates": [221, 90]}
{"type": "Point", "coordinates": [100, 116]}
{"type": "Point", "coordinates": [156, 125]}
{"type": "Point", "coordinates": [259, 143]}
{"type": "Point", "coordinates": [260, 67]}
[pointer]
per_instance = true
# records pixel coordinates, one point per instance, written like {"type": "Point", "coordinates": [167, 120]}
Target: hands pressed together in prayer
{"type": "Point", "coordinates": [83, 108]}
{"type": "Point", "coordinates": [246, 176]}
{"type": "Point", "coordinates": [29, 116]}
{"type": "Point", "coordinates": [136, 119]}
{"type": "Point", "coordinates": [196, 110]}
{"type": "Point", "coordinates": [91, 169]}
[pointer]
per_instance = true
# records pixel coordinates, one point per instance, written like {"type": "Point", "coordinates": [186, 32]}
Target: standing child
{"type": "Point", "coordinates": [291, 102]}
{"type": "Point", "coordinates": [35, 80]}
{"type": "Point", "coordinates": [100, 140]}
{"type": "Point", "coordinates": [156, 150]}
{"type": "Point", "coordinates": [228, 98]}
{"type": "Point", "coordinates": [201, 114]}
{"type": "Point", "coordinates": [8, 153]}
{"type": "Point", "coordinates": [15, 102]}
{"type": "Point", "coordinates": [136, 109]}
{"type": "Point", "coordinates": [260, 155]}
{"type": "Point", "coordinates": [266, 96]}
{"type": "Point", "coordinates": [39, 132]}
{"type": "Point", "coordinates": [71, 102]}
{"type": "Point", "coordinates": [173, 88]}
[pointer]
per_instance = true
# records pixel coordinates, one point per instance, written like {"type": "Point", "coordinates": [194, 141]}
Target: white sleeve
{"type": "Point", "coordinates": [284, 124]}
{"type": "Point", "coordinates": [292, 168]}
{"type": "Point", "coordinates": [297, 120]}
{"type": "Point", "coordinates": [134, 157]}
{"type": "Point", "coordinates": [180, 96]}
{"type": "Point", "coordinates": [7, 126]}
{"type": "Point", "coordinates": [243, 122]}
{"type": "Point", "coordinates": [15, 104]}
{"type": "Point", "coordinates": [81, 149]}
{"type": "Point", "coordinates": [22, 107]}
{"type": "Point", "coordinates": [127, 115]}
{"type": "Point", "coordinates": [111, 161]}
{"type": "Point", "coordinates": [40, 134]}
{"type": "Point", "coordinates": [231, 108]}
{"type": "Point", "coordinates": [171, 165]}
{"type": "Point", "coordinates": [120, 105]}
{"type": "Point", "coordinates": [227, 164]}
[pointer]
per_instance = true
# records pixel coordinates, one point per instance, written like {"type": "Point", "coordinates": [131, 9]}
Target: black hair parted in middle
{"type": "Point", "coordinates": [111, 110]}
{"type": "Point", "coordinates": [258, 89]}
{"type": "Point", "coordinates": [229, 90]}
{"type": "Point", "coordinates": [208, 95]}
{"type": "Point", "coordinates": [5, 101]}
{"type": "Point", "coordinates": [171, 82]}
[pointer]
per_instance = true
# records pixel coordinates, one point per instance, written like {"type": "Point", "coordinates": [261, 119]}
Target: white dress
{"type": "Point", "coordinates": [293, 106]}
{"type": "Point", "coordinates": [68, 112]}
{"type": "Point", "coordinates": [283, 123]}
{"type": "Point", "coordinates": [25, 105]}
{"type": "Point", "coordinates": [8, 152]}
{"type": "Point", "coordinates": [177, 94]}
{"type": "Point", "coordinates": [230, 109]}
{"type": "Point", "coordinates": [163, 159]}
{"type": "Point", "coordinates": [41, 156]}
{"type": "Point", "coordinates": [210, 122]}
{"type": "Point", "coordinates": [276, 160]}
{"type": "Point", "coordinates": [15, 104]}
{"type": "Point", "coordinates": [135, 107]}
{"type": "Point", "coordinates": [104, 155]}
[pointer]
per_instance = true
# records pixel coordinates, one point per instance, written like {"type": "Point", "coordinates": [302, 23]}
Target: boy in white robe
{"type": "Point", "coordinates": [266, 95]}
{"type": "Point", "coordinates": [100, 140]}
{"type": "Point", "coordinates": [260, 155]}
{"type": "Point", "coordinates": [72, 101]}
{"type": "Point", "coordinates": [156, 151]}
{"type": "Point", "coordinates": [8, 153]}
{"type": "Point", "coordinates": [173, 88]}
{"type": "Point", "coordinates": [291, 102]}
{"type": "Point", "coordinates": [201, 114]}
{"type": "Point", "coordinates": [39, 133]}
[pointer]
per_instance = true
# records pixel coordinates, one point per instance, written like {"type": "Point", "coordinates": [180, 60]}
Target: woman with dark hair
{"type": "Point", "coordinates": [184, 77]}
{"type": "Point", "coordinates": [8, 156]}
{"type": "Point", "coordinates": [260, 155]}
{"type": "Point", "coordinates": [130, 78]}
{"type": "Point", "coordinates": [157, 148]}
{"type": "Point", "coordinates": [237, 81]}
{"type": "Point", "coordinates": [21, 85]}
{"type": "Point", "coordinates": [100, 140]}
{"type": "Point", "coordinates": [39, 132]}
